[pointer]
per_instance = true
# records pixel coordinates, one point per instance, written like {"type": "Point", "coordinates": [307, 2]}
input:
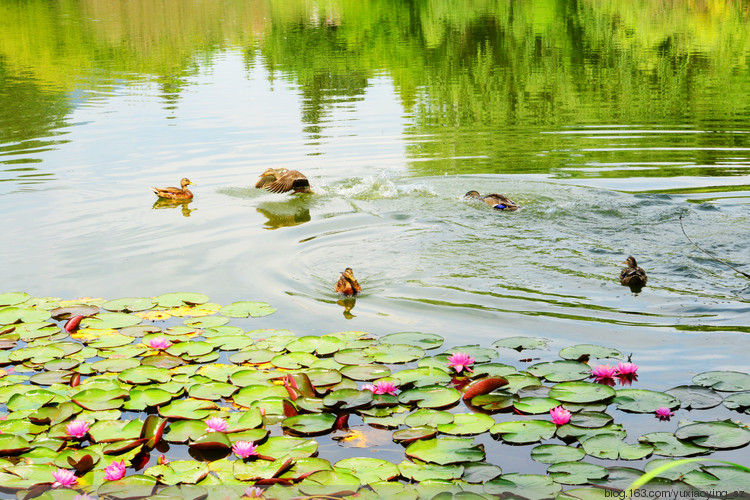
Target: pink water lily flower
{"type": "Point", "coordinates": [560, 415]}
{"type": "Point", "coordinates": [626, 368]}
{"type": "Point", "coordinates": [460, 360]}
{"type": "Point", "coordinates": [64, 478]}
{"type": "Point", "coordinates": [663, 413]}
{"type": "Point", "coordinates": [384, 387]}
{"type": "Point", "coordinates": [83, 497]}
{"type": "Point", "coordinates": [254, 492]}
{"type": "Point", "coordinates": [369, 387]}
{"type": "Point", "coordinates": [162, 460]}
{"type": "Point", "coordinates": [115, 471]}
{"type": "Point", "coordinates": [244, 449]}
{"type": "Point", "coordinates": [159, 343]}
{"type": "Point", "coordinates": [604, 371]}
{"type": "Point", "coordinates": [216, 424]}
{"type": "Point", "coordinates": [77, 428]}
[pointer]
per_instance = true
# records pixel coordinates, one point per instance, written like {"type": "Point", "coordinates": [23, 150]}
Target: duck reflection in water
{"type": "Point", "coordinates": [285, 213]}
{"type": "Point", "coordinates": [348, 304]}
{"type": "Point", "coordinates": [163, 203]}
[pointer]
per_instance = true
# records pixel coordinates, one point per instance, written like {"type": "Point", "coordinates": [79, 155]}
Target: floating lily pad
{"type": "Point", "coordinates": [560, 371]}
{"type": "Point", "coordinates": [365, 372]}
{"type": "Point", "coordinates": [183, 430]}
{"type": "Point", "coordinates": [524, 432]}
{"type": "Point", "coordinates": [739, 401]}
{"type": "Point", "coordinates": [145, 375]}
{"type": "Point", "coordinates": [445, 451]}
{"type": "Point", "coordinates": [414, 433]}
{"type": "Point", "coordinates": [314, 344]}
{"type": "Point", "coordinates": [480, 354]}
{"type": "Point", "coordinates": [12, 445]}
{"type": "Point", "coordinates": [417, 339]}
{"type": "Point", "coordinates": [348, 399]}
{"type": "Point", "coordinates": [428, 417]}
{"type": "Point", "coordinates": [140, 399]}
{"type": "Point", "coordinates": [721, 434]}
{"type": "Point", "coordinates": [96, 399]}
{"type": "Point", "coordinates": [665, 443]}
{"type": "Point", "coordinates": [467, 424]}
{"type": "Point", "coordinates": [212, 441]}
{"type": "Point", "coordinates": [252, 393]}
{"type": "Point", "coordinates": [367, 470]}
{"type": "Point", "coordinates": [576, 472]}
{"type": "Point", "coordinates": [207, 322]}
{"type": "Point", "coordinates": [494, 370]}
{"type": "Point", "coordinates": [13, 314]}
{"type": "Point", "coordinates": [433, 396]}
{"type": "Point", "coordinates": [254, 356]}
{"type": "Point", "coordinates": [188, 409]}
{"type": "Point", "coordinates": [556, 453]}
{"type": "Point", "coordinates": [521, 343]}
{"type": "Point", "coordinates": [423, 376]}
{"type": "Point", "coordinates": [726, 381]}
{"type": "Point", "coordinates": [129, 304]}
{"type": "Point", "coordinates": [13, 298]}
{"type": "Point", "coordinates": [115, 320]}
{"type": "Point", "coordinates": [179, 471]}
{"type": "Point", "coordinates": [612, 447]}
{"type": "Point", "coordinates": [395, 353]}
{"type": "Point", "coordinates": [422, 471]}
{"type": "Point", "coordinates": [247, 308]}
{"type": "Point", "coordinates": [329, 484]}
{"type": "Point", "coordinates": [590, 419]}
{"type": "Point", "coordinates": [528, 486]}
{"type": "Point", "coordinates": [214, 391]}
{"type": "Point", "coordinates": [180, 299]}
{"type": "Point", "coordinates": [353, 357]}
{"type": "Point", "coordinates": [583, 352]}
{"type": "Point", "coordinates": [581, 392]}
{"type": "Point", "coordinates": [293, 361]}
{"type": "Point", "coordinates": [536, 406]}
{"type": "Point", "coordinates": [310, 425]}
{"type": "Point", "coordinates": [110, 431]}
{"type": "Point", "coordinates": [287, 447]}
{"type": "Point", "coordinates": [644, 401]}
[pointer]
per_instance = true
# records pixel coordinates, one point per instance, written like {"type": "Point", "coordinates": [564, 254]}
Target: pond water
{"type": "Point", "coordinates": [608, 121]}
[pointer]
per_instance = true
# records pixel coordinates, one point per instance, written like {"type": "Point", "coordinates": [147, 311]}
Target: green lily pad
{"type": "Point", "coordinates": [581, 392]}
{"type": "Point", "coordinates": [494, 370]}
{"type": "Point", "coordinates": [665, 443]}
{"type": "Point", "coordinates": [252, 393]}
{"type": "Point", "coordinates": [525, 431]}
{"type": "Point", "coordinates": [726, 381]}
{"type": "Point", "coordinates": [536, 406]}
{"type": "Point", "coordinates": [129, 487]}
{"type": "Point", "coordinates": [110, 431]}
{"type": "Point", "coordinates": [52, 377]}
{"type": "Point", "coordinates": [13, 314]}
{"type": "Point", "coordinates": [294, 360]}
{"type": "Point", "coordinates": [182, 431]}
{"type": "Point", "coordinates": [695, 397]}
{"type": "Point", "coordinates": [583, 352]}
{"type": "Point", "coordinates": [11, 444]}
{"type": "Point", "coordinates": [207, 322]}
{"type": "Point", "coordinates": [33, 399]}
{"type": "Point", "coordinates": [428, 417]}
{"type": "Point", "coordinates": [190, 349]}
{"type": "Point", "coordinates": [560, 371]}
{"type": "Point", "coordinates": [212, 441]}
{"type": "Point", "coordinates": [612, 447]}
{"type": "Point", "coordinates": [179, 471]}
{"type": "Point", "coordinates": [445, 451]}
{"type": "Point", "coordinates": [480, 472]}
{"type": "Point", "coordinates": [395, 353]}
{"type": "Point", "coordinates": [103, 321]}
{"type": "Point", "coordinates": [644, 401]}
{"type": "Point", "coordinates": [521, 343]}
{"type": "Point", "coordinates": [353, 357]}
{"type": "Point", "coordinates": [367, 470]}
{"type": "Point", "coordinates": [259, 469]}
{"type": "Point", "coordinates": [739, 401]}
{"type": "Point", "coordinates": [187, 409]}
{"type": "Point", "coordinates": [39, 354]}
{"type": "Point", "coordinates": [246, 309]}
{"type": "Point", "coordinates": [13, 298]}
{"type": "Point", "coordinates": [590, 419]}
{"type": "Point", "coordinates": [140, 399]}
{"type": "Point", "coordinates": [365, 372]}
{"type": "Point", "coordinates": [467, 424]}
{"type": "Point", "coordinates": [422, 471]}
{"type": "Point", "coordinates": [480, 354]}
{"type": "Point", "coordinates": [96, 399]}
{"type": "Point", "coordinates": [317, 345]}
{"type": "Point", "coordinates": [416, 339]}
{"type": "Point", "coordinates": [310, 425]}
{"type": "Point", "coordinates": [115, 365]}
{"type": "Point", "coordinates": [181, 299]}
{"type": "Point", "coordinates": [520, 381]}
{"type": "Point", "coordinates": [414, 433]}
{"type": "Point", "coordinates": [253, 355]}
{"type": "Point", "coordinates": [433, 396]}
{"type": "Point", "coordinates": [421, 377]}
{"type": "Point", "coordinates": [329, 484]}
{"type": "Point", "coordinates": [569, 431]}
{"type": "Point", "coordinates": [129, 304]}
{"type": "Point", "coordinates": [576, 472]}
{"type": "Point", "coordinates": [556, 453]}
{"type": "Point", "coordinates": [322, 377]}
{"type": "Point", "coordinates": [720, 434]}
{"type": "Point", "coordinates": [347, 399]}
{"type": "Point", "coordinates": [213, 391]}
{"type": "Point", "coordinates": [287, 447]}
{"type": "Point", "coordinates": [145, 375]}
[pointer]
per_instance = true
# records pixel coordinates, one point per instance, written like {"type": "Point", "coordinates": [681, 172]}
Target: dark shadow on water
{"type": "Point", "coordinates": [163, 203]}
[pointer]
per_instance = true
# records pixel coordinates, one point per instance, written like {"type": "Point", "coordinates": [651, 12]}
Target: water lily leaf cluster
{"type": "Point", "coordinates": [191, 403]}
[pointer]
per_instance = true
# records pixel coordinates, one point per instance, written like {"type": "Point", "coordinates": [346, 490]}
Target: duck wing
{"type": "Point", "coordinates": [501, 202]}
{"type": "Point", "coordinates": [169, 192]}
{"type": "Point", "coordinates": [633, 275]}
{"type": "Point", "coordinates": [264, 181]}
{"type": "Point", "coordinates": [289, 181]}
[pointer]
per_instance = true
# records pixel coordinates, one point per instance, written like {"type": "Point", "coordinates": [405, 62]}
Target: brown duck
{"type": "Point", "coordinates": [347, 283]}
{"type": "Point", "coordinates": [633, 276]}
{"type": "Point", "coordinates": [174, 193]}
{"type": "Point", "coordinates": [281, 180]}
{"type": "Point", "coordinates": [496, 201]}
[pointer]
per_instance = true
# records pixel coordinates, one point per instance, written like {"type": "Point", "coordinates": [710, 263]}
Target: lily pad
{"type": "Point", "coordinates": [115, 320]}
{"type": "Point", "coordinates": [525, 431]}
{"type": "Point", "coordinates": [583, 352]}
{"type": "Point", "coordinates": [348, 399]}
{"type": "Point", "coordinates": [13, 298]}
{"type": "Point", "coordinates": [423, 376]}
{"type": "Point", "coordinates": [129, 304]}
{"type": "Point", "coordinates": [252, 393]}
{"type": "Point", "coordinates": [310, 425]}
{"type": "Point", "coordinates": [445, 451]}
{"type": "Point", "coordinates": [528, 486]}
{"type": "Point", "coordinates": [428, 417]}
{"type": "Point", "coordinates": [521, 343]}
{"type": "Point", "coordinates": [536, 406]}
{"type": "Point", "coordinates": [140, 399]}
{"type": "Point", "coordinates": [179, 471]}
{"type": "Point", "coordinates": [556, 453]}
{"type": "Point", "coordinates": [246, 309]}
{"type": "Point", "coordinates": [720, 434]}
{"type": "Point", "coordinates": [665, 443]}
{"type": "Point", "coordinates": [726, 381]}
{"type": "Point", "coordinates": [214, 391]}
{"type": "Point", "coordinates": [560, 371]}
{"type": "Point", "coordinates": [145, 375]}
{"type": "Point", "coordinates": [581, 392]}
{"type": "Point", "coordinates": [365, 372]}
{"type": "Point", "coordinates": [467, 424]}
{"type": "Point", "coordinates": [96, 399]}
{"type": "Point", "coordinates": [612, 447]}
{"type": "Point", "coordinates": [422, 471]}
{"type": "Point", "coordinates": [433, 396]}
{"type": "Point", "coordinates": [395, 353]}
{"type": "Point", "coordinates": [576, 472]}
{"type": "Point", "coordinates": [417, 339]}
{"type": "Point", "coordinates": [414, 433]}
{"type": "Point", "coordinates": [644, 401]}
{"type": "Point", "coordinates": [739, 401]}
{"type": "Point", "coordinates": [367, 470]}
{"type": "Point", "coordinates": [695, 397]}
{"type": "Point", "coordinates": [314, 344]}
{"type": "Point", "coordinates": [329, 484]}
{"type": "Point", "coordinates": [287, 447]}
{"type": "Point", "coordinates": [181, 299]}
{"type": "Point", "coordinates": [187, 409]}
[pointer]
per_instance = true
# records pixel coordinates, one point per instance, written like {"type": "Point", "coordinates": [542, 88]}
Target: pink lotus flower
{"type": "Point", "coordinates": [77, 428]}
{"type": "Point", "coordinates": [83, 497]}
{"type": "Point", "coordinates": [216, 424]}
{"type": "Point", "coordinates": [64, 478]}
{"type": "Point", "coordinates": [115, 471]}
{"type": "Point", "coordinates": [626, 368]}
{"type": "Point", "coordinates": [162, 460]}
{"type": "Point", "coordinates": [369, 387]}
{"type": "Point", "coordinates": [663, 413]}
{"type": "Point", "coordinates": [254, 492]}
{"type": "Point", "coordinates": [460, 360]}
{"type": "Point", "coordinates": [384, 387]}
{"type": "Point", "coordinates": [604, 371]}
{"type": "Point", "coordinates": [560, 415]}
{"type": "Point", "coordinates": [244, 449]}
{"type": "Point", "coordinates": [159, 343]}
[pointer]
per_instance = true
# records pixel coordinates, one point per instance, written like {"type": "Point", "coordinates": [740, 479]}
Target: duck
{"type": "Point", "coordinates": [174, 193]}
{"type": "Point", "coordinates": [347, 283]}
{"type": "Point", "coordinates": [496, 201]}
{"type": "Point", "coordinates": [281, 180]}
{"type": "Point", "coordinates": [633, 276]}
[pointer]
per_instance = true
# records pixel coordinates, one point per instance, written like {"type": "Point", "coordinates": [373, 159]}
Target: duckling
{"type": "Point", "coordinates": [496, 201]}
{"type": "Point", "coordinates": [281, 180]}
{"type": "Point", "coordinates": [174, 193]}
{"type": "Point", "coordinates": [347, 284]}
{"type": "Point", "coordinates": [633, 276]}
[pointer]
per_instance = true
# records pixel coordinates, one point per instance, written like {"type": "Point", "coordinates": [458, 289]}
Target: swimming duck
{"type": "Point", "coordinates": [496, 201]}
{"type": "Point", "coordinates": [633, 276]}
{"type": "Point", "coordinates": [281, 180]}
{"type": "Point", "coordinates": [174, 193]}
{"type": "Point", "coordinates": [347, 284]}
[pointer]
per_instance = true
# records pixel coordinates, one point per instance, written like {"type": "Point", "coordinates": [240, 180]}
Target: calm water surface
{"type": "Point", "coordinates": [606, 128]}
